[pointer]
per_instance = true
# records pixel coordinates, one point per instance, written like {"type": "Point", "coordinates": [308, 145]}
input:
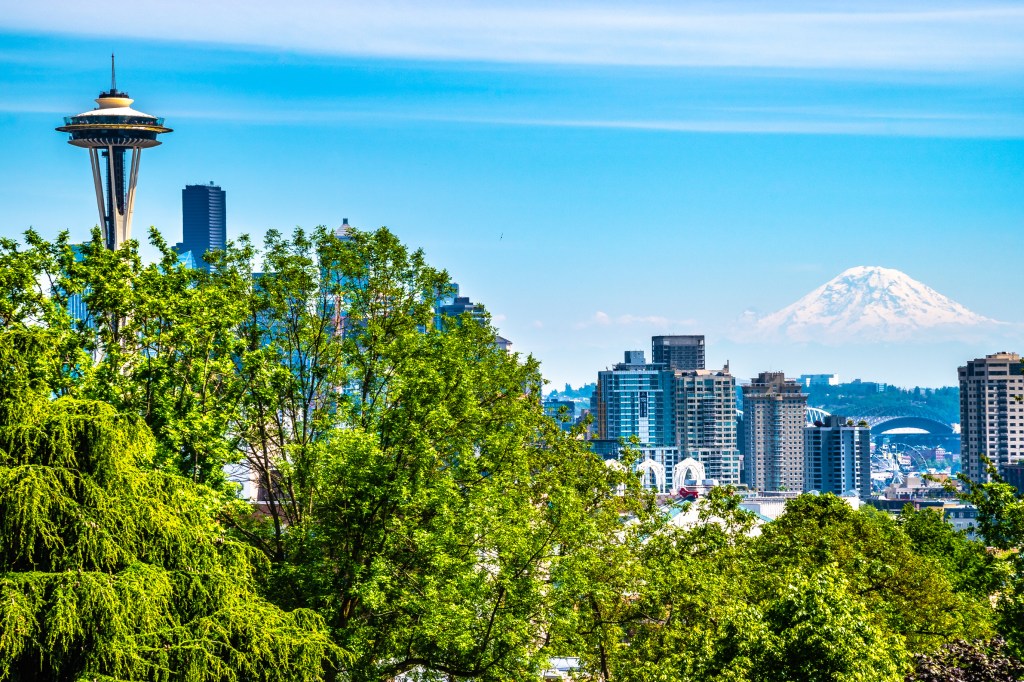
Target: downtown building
{"type": "Point", "coordinates": [634, 399]}
{"type": "Point", "coordinates": [837, 458]}
{"type": "Point", "coordinates": [705, 421]}
{"type": "Point", "coordinates": [774, 416]}
{"type": "Point", "coordinates": [684, 420]}
{"type": "Point", "coordinates": [203, 222]}
{"type": "Point", "coordinates": [678, 352]}
{"type": "Point", "coordinates": [991, 413]}
{"type": "Point", "coordinates": [559, 409]}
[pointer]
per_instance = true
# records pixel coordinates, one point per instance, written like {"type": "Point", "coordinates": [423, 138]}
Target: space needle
{"type": "Point", "coordinates": [109, 132]}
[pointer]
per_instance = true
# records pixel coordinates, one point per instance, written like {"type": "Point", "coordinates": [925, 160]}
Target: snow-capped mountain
{"type": "Point", "coordinates": [869, 304]}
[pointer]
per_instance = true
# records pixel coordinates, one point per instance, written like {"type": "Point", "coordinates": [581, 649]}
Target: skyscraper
{"type": "Point", "coordinates": [991, 413]}
{"type": "Point", "coordinates": [635, 398]}
{"type": "Point", "coordinates": [774, 416]}
{"type": "Point", "coordinates": [553, 408]}
{"type": "Point", "coordinates": [678, 352]}
{"type": "Point", "coordinates": [203, 221]}
{"type": "Point", "coordinates": [705, 421]}
{"type": "Point", "coordinates": [837, 457]}
{"type": "Point", "coordinates": [108, 132]}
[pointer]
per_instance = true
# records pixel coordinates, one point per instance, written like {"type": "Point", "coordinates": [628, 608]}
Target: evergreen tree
{"type": "Point", "coordinates": [113, 570]}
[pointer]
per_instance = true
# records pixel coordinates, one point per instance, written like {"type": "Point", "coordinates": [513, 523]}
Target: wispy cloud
{"type": "Point", "coordinates": [835, 122]}
{"type": "Point", "coordinates": [904, 125]}
{"type": "Point", "coordinates": [603, 319]}
{"type": "Point", "coordinates": [900, 35]}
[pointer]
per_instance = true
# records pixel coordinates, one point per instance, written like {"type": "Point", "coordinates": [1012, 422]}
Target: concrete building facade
{"type": "Point", "coordinates": [774, 416]}
{"type": "Point", "coordinates": [705, 421]}
{"type": "Point", "coordinates": [991, 413]}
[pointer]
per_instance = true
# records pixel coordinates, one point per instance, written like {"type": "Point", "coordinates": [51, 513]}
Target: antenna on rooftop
{"type": "Point", "coordinates": [113, 77]}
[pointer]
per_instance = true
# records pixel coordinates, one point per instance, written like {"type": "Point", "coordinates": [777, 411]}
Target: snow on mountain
{"type": "Point", "coordinates": [872, 304]}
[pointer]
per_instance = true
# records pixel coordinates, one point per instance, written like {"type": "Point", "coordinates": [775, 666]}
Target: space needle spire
{"type": "Point", "coordinates": [109, 132]}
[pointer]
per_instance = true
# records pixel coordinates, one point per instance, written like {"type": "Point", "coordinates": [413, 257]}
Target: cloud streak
{"type": "Point", "coordinates": [723, 121]}
{"type": "Point", "coordinates": [903, 35]}
{"type": "Point", "coordinates": [602, 319]}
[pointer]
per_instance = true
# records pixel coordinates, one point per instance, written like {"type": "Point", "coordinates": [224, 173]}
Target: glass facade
{"type": "Point", "coordinates": [203, 221]}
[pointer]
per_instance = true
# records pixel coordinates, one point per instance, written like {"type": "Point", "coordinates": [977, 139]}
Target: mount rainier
{"type": "Point", "coordinates": [872, 304]}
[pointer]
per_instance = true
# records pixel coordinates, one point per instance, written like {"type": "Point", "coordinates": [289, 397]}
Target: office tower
{"type": "Point", "coordinates": [991, 413]}
{"type": "Point", "coordinates": [635, 398]}
{"type": "Point", "coordinates": [678, 352]}
{"type": "Point", "coordinates": [553, 408]}
{"type": "Point", "coordinates": [460, 305]}
{"type": "Point", "coordinates": [705, 416]}
{"type": "Point", "coordinates": [203, 221]}
{"type": "Point", "coordinates": [109, 132]}
{"type": "Point", "coordinates": [837, 457]}
{"type": "Point", "coordinates": [451, 307]}
{"type": "Point", "coordinates": [774, 416]}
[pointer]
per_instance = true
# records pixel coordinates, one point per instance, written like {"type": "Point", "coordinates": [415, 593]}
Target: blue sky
{"type": "Point", "coordinates": [593, 172]}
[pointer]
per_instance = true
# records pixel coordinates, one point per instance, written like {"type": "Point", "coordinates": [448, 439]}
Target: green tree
{"type": "Point", "coordinates": [970, 568]}
{"type": "Point", "coordinates": [1001, 524]}
{"type": "Point", "coordinates": [452, 526]}
{"type": "Point", "coordinates": [413, 495]}
{"type": "Point", "coordinates": [412, 491]}
{"type": "Point", "coordinates": [820, 632]}
{"type": "Point", "coordinates": [113, 570]}
{"type": "Point", "coordinates": [689, 613]}
{"type": "Point", "coordinates": [880, 566]}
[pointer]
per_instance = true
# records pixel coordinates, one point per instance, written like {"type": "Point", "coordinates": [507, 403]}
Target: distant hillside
{"type": "Point", "coordinates": [861, 399]}
{"type": "Point", "coordinates": [569, 393]}
{"type": "Point", "coordinates": [864, 400]}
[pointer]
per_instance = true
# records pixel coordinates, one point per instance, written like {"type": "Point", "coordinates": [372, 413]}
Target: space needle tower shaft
{"type": "Point", "coordinates": [110, 132]}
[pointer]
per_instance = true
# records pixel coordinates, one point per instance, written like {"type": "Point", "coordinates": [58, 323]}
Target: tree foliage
{"type": "Point", "coordinates": [112, 569]}
{"type": "Point", "coordinates": [408, 502]}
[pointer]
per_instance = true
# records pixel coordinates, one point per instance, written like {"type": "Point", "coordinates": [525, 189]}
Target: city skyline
{"type": "Point", "coordinates": [589, 203]}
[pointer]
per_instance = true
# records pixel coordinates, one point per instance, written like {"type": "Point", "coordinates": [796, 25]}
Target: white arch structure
{"type": "Point", "coordinates": [652, 472]}
{"type": "Point", "coordinates": [687, 470]}
{"type": "Point", "coordinates": [816, 414]}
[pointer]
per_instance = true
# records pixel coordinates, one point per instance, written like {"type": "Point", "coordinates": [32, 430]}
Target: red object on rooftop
{"type": "Point", "coordinates": [688, 493]}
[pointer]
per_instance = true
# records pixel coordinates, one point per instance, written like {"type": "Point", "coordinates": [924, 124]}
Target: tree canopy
{"type": "Point", "coordinates": [111, 569]}
{"type": "Point", "coordinates": [291, 467]}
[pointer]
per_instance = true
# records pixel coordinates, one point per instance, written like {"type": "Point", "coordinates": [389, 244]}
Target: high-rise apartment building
{"type": "Point", "coordinates": [203, 221]}
{"type": "Point", "coordinates": [774, 416]}
{"type": "Point", "coordinates": [705, 421]}
{"type": "Point", "coordinates": [635, 398]}
{"type": "Point", "coordinates": [678, 352]}
{"type": "Point", "coordinates": [837, 457]}
{"type": "Point", "coordinates": [991, 413]}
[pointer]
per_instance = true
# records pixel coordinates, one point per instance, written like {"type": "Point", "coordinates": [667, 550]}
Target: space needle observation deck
{"type": "Point", "coordinates": [109, 132]}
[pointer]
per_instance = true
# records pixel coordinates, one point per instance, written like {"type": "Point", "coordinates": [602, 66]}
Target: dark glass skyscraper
{"type": "Point", "coordinates": [203, 221]}
{"type": "Point", "coordinates": [679, 352]}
